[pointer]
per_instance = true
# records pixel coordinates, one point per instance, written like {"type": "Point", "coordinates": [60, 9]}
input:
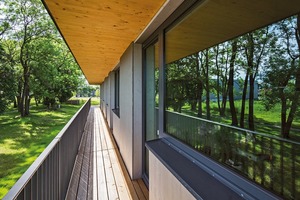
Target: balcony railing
{"type": "Point", "coordinates": [48, 177]}
{"type": "Point", "coordinates": [269, 161]}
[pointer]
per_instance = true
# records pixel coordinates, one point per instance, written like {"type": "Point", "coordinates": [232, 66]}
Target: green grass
{"type": "Point", "coordinates": [95, 101]}
{"type": "Point", "coordinates": [266, 121]}
{"type": "Point", "coordinates": [23, 139]}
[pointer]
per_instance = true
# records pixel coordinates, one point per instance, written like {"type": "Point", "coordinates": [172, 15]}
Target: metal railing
{"type": "Point", "coordinates": [270, 161]}
{"type": "Point", "coordinates": [49, 175]}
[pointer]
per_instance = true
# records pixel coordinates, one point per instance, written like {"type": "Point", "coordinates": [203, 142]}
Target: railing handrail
{"type": "Point", "coordinates": [25, 178]}
{"type": "Point", "coordinates": [60, 134]}
{"type": "Point", "coordinates": [237, 128]}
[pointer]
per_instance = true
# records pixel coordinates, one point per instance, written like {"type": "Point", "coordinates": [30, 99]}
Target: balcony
{"type": "Point", "coordinates": [82, 162]}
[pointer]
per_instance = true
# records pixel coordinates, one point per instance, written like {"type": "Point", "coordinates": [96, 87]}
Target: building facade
{"type": "Point", "coordinates": [157, 95]}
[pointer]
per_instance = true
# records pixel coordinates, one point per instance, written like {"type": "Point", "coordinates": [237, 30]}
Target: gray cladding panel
{"type": "Point", "coordinates": [126, 107]}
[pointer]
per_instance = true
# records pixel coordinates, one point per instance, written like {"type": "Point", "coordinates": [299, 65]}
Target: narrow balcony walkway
{"type": "Point", "coordinates": [99, 172]}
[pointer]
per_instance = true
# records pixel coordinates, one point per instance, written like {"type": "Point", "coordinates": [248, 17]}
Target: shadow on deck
{"type": "Point", "coordinates": [99, 171]}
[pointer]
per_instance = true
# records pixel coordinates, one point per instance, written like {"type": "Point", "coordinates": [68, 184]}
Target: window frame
{"type": "Point", "coordinates": [116, 109]}
{"type": "Point", "coordinates": [225, 175]}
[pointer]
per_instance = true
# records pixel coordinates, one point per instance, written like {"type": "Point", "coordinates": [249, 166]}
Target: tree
{"type": "Point", "coordinates": [282, 73]}
{"type": "Point", "coordinates": [31, 23]}
{"type": "Point", "coordinates": [6, 73]}
{"type": "Point", "coordinates": [56, 76]}
{"type": "Point", "coordinates": [44, 67]}
{"type": "Point", "coordinates": [222, 53]}
{"type": "Point", "coordinates": [255, 44]}
{"type": "Point", "coordinates": [234, 48]}
{"type": "Point", "coordinates": [176, 79]}
{"type": "Point", "coordinates": [7, 83]}
{"type": "Point", "coordinates": [206, 74]}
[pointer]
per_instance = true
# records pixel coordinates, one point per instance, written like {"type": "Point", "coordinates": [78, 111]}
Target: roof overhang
{"type": "Point", "coordinates": [98, 32]}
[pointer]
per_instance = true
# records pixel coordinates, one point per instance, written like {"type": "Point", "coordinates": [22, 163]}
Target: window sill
{"type": "Point", "coordinates": [117, 112]}
{"type": "Point", "coordinates": [203, 176]}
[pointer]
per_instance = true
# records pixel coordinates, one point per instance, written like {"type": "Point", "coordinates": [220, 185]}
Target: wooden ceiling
{"type": "Point", "coordinates": [216, 21]}
{"type": "Point", "coordinates": [99, 31]}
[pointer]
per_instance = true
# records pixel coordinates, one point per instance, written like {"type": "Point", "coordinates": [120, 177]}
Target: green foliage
{"type": "Point", "coordinates": [85, 90]}
{"type": "Point", "coordinates": [7, 83]}
{"type": "Point", "coordinates": [42, 65]}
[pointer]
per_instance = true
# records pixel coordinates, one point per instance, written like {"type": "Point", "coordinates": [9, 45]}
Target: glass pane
{"type": "Point", "coordinates": [237, 101]}
{"type": "Point", "coordinates": [151, 97]}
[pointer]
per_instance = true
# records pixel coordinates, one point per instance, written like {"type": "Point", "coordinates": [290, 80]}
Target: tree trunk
{"type": "Point", "coordinates": [224, 101]}
{"type": "Point", "coordinates": [19, 103]}
{"type": "Point", "coordinates": [230, 85]}
{"type": "Point", "coordinates": [199, 87]}
{"type": "Point", "coordinates": [36, 101]}
{"type": "Point", "coordinates": [22, 103]}
{"type": "Point", "coordinates": [250, 56]}
{"type": "Point", "coordinates": [218, 94]}
{"type": "Point", "coordinates": [15, 103]}
{"type": "Point", "coordinates": [251, 103]}
{"type": "Point", "coordinates": [27, 102]}
{"type": "Point", "coordinates": [283, 111]}
{"type": "Point", "coordinates": [294, 106]}
{"type": "Point", "coordinates": [242, 125]}
{"type": "Point", "coordinates": [200, 93]}
{"type": "Point", "coordinates": [193, 105]}
{"type": "Point", "coordinates": [218, 80]}
{"type": "Point", "coordinates": [19, 96]}
{"type": "Point", "coordinates": [288, 125]}
{"type": "Point", "coordinates": [207, 86]}
{"type": "Point", "coordinates": [25, 93]}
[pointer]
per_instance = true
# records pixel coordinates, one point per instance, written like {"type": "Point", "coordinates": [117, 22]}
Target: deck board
{"type": "Point", "coordinates": [99, 172]}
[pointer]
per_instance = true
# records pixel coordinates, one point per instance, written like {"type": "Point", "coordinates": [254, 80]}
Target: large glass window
{"type": "Point", "coordinates": [151, 98]}
{"type": "Point", "coordinates": [238, 100]}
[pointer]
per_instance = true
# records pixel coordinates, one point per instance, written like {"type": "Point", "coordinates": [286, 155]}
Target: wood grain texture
{"type": "Point", "coordinates": [98, 32]}
{"type": "Point", "coordinates": [98, 172]}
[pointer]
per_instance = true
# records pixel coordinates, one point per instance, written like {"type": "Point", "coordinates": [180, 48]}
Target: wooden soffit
{"type": "Point", "coordinates": [99, 31]}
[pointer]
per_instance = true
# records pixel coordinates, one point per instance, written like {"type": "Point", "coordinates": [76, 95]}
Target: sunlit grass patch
{"type": "Point", "coordinates": [23, 139]}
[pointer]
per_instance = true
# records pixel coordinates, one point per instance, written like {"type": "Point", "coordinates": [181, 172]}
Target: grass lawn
{"type": "Point", "coordinates": [268, 122]}
{"type": "Point", "coordinates": [95, 101]}
{"type": "Point", "coordinates": [23, 139]}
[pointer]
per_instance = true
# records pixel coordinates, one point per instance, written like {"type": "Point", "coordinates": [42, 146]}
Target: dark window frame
{"type": "Point", "coordinates": [116, 109]}
{"type": "Point", "coordinates": [221, 173]}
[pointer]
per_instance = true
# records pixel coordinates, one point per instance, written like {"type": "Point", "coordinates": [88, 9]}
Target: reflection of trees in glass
{"type": "Point", "coordinates": [182, 84]}
{"type": "Point", "coordinates": [282, 72]}
{"type": "Point", "coordinates": [234, 120]}
{"type": "Point", "coordinates": [254, 44]}
{"type": "Point", "coordinates": [264, 65]}
{"type": "Point", "coordinates": [221, 70]}
{"type": "Point", "coordinates": [253, 82]}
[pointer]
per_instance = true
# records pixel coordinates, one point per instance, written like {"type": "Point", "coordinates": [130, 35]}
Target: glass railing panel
{"type": "Point", "coordinates": [269, 161]}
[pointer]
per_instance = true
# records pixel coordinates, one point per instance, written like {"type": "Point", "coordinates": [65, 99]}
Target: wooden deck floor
{"type": "Point", "coordinates": [99, 172]}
